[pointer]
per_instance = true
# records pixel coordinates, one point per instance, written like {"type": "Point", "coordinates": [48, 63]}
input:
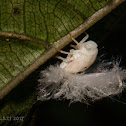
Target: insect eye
{"type": "Point", "coordinates": [90, 45]}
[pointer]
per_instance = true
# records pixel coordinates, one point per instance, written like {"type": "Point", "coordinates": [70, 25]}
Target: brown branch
{"type": "Point", "coordinates": [60, 44]}
{"type": "Point", "coordinates": [23, 37]}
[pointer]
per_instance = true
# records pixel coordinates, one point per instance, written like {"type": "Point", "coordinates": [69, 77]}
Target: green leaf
{"type": "Point", "coordinates": [15, 57]}
{"type": "Point", "coordinates": [48, 20]}
{"type": "Point", "coordinates": [28, 29]}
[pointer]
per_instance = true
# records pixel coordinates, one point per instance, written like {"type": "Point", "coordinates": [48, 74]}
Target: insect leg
{"type": "Point", "coordinates": [61, 51]}
{"type": "Point", "coordinates": [74, 40]}
{"type": "Point", "coordinates": [84, 39]}
{"type": "Point", "coordinates": [74, 46]}
{"type": "Point", "coordinates": [61, 58]}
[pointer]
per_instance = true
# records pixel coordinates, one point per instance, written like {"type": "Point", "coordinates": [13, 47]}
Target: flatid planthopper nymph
{"type": "Point", "coordinates": [80, 58]}
{"type": "Point", "coordinates": [72, 80]}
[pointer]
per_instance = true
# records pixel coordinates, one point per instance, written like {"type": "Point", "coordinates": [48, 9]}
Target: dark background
{"type": "Point", "coordinates": [110, 34]}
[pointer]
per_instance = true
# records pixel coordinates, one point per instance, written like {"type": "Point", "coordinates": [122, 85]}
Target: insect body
{"type": "Point", "coordinates": [82, 58]}
{"type": "Point", "coordinates": [102, 81]}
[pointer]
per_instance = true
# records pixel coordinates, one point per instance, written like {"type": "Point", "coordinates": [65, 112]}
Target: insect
{"type": "Point", "coordinates": [80, 58]}
{"type": "Point", "coordinates": [102, 79]}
